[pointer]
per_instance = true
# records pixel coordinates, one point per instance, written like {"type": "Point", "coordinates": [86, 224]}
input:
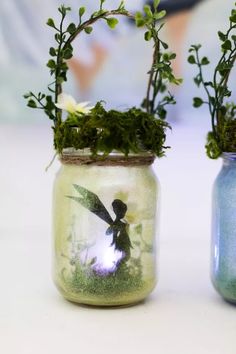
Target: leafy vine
{"type": "Point", "coordinates": [135, 130]}
{"type": "Point", "coordinates": [222, 138]}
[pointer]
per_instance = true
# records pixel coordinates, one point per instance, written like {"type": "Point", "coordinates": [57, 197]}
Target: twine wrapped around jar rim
{"type": "Point", "coordinates": [111, 160]}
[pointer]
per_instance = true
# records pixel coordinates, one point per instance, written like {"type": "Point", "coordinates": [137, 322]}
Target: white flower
{"type": "Point", "coordinates": [69, 104]}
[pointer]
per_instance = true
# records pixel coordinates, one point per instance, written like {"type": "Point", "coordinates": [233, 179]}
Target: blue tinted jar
{"type": "Point", "coordinates": [224, 229]}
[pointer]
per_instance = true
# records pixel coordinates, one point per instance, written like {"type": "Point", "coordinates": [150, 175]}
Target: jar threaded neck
{"type": "Point", "coordinates": [229, 156]}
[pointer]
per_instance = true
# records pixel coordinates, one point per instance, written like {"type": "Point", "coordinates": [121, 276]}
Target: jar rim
{"type": "Point", "coordinates": [83, 157]}
{"type": "Point", "coordinates": [229, 155]}
{"type": "Point", "coordinates": [87, 152]}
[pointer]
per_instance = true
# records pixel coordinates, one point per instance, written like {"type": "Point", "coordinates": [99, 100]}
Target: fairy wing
{"type": "Point", "coordinates": [90, 201]}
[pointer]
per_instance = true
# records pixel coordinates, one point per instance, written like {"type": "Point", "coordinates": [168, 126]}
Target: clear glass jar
{"type": "Point", "coordinates": [224, 229]}
{"type": "Point", "coordinates": [104, 225]}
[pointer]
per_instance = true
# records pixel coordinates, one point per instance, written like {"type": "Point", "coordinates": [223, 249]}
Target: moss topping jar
{"type": "Point", "coordinates": [104, 226]}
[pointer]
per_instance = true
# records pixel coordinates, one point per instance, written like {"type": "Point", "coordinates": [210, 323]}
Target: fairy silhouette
{"type": "Point", "coordinates": [117, 227]}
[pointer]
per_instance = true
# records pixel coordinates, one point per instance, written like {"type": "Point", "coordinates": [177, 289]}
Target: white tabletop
{"type": "Point", "coordinates": [184, 315]}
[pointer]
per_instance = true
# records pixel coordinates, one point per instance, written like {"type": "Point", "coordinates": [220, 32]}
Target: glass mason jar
{"type": "Point", "coordinates": [224, 229]}
{"type": "Point", "coordinates": [104, 229]}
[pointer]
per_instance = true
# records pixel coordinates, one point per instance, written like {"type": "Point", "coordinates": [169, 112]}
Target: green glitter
{"type": "Point", "coordinates": [124, 280]}
{"type": "Point", "coordinates": [85, 285]}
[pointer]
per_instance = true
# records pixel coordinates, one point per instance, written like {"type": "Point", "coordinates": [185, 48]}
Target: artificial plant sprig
{"type": "Point", "coordinates": [64, 37]}
{"type": "Point", "coordinates": [161, 73]}
{"type": "Point", "coordinates": [223, 118]}
{"type": "Point", "coordinates": [135, 130]}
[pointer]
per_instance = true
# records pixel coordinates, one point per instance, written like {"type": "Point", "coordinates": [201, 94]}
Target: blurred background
{"type": "Point", "coordinates": [108, 65]}
{"type": "Point", "coordinates": [112, 66]}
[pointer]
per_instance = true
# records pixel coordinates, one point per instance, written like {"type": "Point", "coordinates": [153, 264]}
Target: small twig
{"type": "Point", "coordinates": [50, 164]}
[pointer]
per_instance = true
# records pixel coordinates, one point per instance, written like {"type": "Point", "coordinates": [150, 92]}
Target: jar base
{"type": "Point", "coordinates": [105, 306]}
{"type": "Point", "coordinates": [126, 300]}
{"type": "Point", "coordinates": [229, 301]}
{"type": "Point", "coordinates": [226, 289]}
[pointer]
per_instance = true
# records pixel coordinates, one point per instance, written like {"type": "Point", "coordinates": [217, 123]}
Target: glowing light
{"type": "Point", "coordinates": [109, 262]}
{"type": "Point", "coordinates": [111, 258]}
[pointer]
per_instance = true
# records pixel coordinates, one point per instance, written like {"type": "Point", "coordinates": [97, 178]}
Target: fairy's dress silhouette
{"type": "Point", "coordinates": [117, 228]}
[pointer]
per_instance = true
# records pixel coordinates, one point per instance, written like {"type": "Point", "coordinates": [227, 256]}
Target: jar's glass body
{"type": "Point", "coordinates": [224, 230]}
{"type": "Point", "coordinates": [104, 233]}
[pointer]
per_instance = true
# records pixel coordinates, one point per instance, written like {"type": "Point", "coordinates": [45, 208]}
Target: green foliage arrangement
{"type": "Point", "coordinates": [132, 131]}
{"type": "Point", "coordinates": [101, 130]}
{"type": "Point", "coordinates": [222, 138]}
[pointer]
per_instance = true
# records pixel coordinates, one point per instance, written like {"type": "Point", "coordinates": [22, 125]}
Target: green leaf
{"type": "Point", "coordinates": [191, 59]}
{"type": "Point", "coordinates": [41, 96]}
{"type": "Point", "coordinates": [52, 52]}
{"type": "Point", "coordinates": [223, 110]}
{"type": "Point", "coordinates": [212, 100]}
{"type": "Point", "coordinates": [88, 30]}
{"type": "Point", "coordinates": [195, 48]}
{"type": "Point", "coordinates": [64, 66]}
{"type": "Point", "coordinates": [233, 12]}
{"type": "Point", "coordinates": [82, 11]}
{"type": "Point", "coordinates": [233, 18]}
{"type": "Point", "coordinates": [156, 4]}
{"type": "Point", "coordinates": [162, 112]}
{"type": "Point", "coordinates": [27, 95]}
{"type": "Point", "coordinates": [68, 54]}
{"type": "Point", "coordinates": [222, 36]}
{"type": "Point", "coordinates": [212, 146]}
{"type": "Point", "coordinates": [60, 80]}
{"type": "Point", "coordinates": [209, 83]}
{"type": "Point", "coordinates": [63, 10]}
{"type": "Point", "coordinates": [165, 45]}
{"type": "Point", "coordinates": [50, 101]}
{"type": "Point", "coordinates": [112, 22]}
{"type": "Point", "coordinates": [101, 3]}
{"type": "Point", "coordinates": [99, 13]}
{"type": "Point", "coordinates": [148, 11]}
{"type": "Point", "coordinates": [51, 64]}
{"type": "Point", "coordinates": [139, 19]}
{"type": "Point", "coordinates": [205, 61]}
{"type": "Point", "coordinates": [177, 81]}
{"type": "Point", "coordinates": [166, 57]}
{"type": "Point", "coordinates": [32, 104]}
{"type": "Point", "coordinates": [148, 35]}
{"type": "Point", "coordinates": [57, 38]}
{"type": "Point", "coordinates": [227, 45]}
{"type": "Point", "coordinates": [163, 88]}
{"type": "Point", "coordinates": [172, 56]}
{"type": "Point", "coordinates": [50, 23]}
{"type": "Point", "coordinates": [197, 102]}
{"type": "Point", "coordinates": [122, 5]}
{"type": "Point", "coordinates": [160, 15]}
{"type": "Point", "coordinates": [71, 28]}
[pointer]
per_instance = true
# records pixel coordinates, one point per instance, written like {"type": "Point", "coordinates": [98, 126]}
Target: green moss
{"type": "Point", "coordinates": [87, 282]}
{"type": "Point", "coordinates": [225, 132]}
{"type": "Point", "coordinates": [104, 131]}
